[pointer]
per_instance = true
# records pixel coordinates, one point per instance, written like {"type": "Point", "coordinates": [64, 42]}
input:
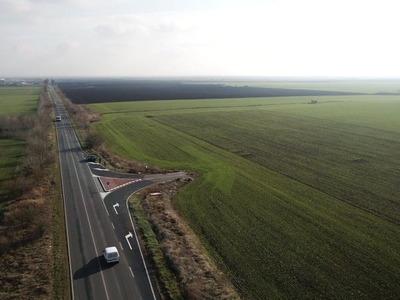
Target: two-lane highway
{"type": "Point", "coordinates": [90, 229]}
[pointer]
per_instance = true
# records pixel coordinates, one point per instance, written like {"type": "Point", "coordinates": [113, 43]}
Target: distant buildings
{"type": "Point", "coordinates": [20, 82]}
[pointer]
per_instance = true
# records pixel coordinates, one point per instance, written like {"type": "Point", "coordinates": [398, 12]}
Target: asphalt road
{"type": "Point", "coordinates": [97, 220]}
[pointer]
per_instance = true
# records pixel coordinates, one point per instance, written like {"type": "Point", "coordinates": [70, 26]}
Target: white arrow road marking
{"type": "Point", "coordinates": [116, 205]}
{"type": "Point", "coordinates": [129, 235]}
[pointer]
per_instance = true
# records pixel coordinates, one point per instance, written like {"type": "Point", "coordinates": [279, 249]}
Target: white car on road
{"type": "Point", "coordinates": [111, 254]}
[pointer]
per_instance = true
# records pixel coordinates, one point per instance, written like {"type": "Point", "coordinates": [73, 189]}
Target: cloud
{"type": "Point", "coordinates": [14, 6]}
{"type": "Point", "coordinates": [152, 38]}
{"type": "Point", "coordinates": [26, 49]}
{"type": "Point", "coordinates": [67, 47]}
{"type": "Point", "coordinates": [143, 25]}
{"type": "Point", "coordinates": [120, 27]}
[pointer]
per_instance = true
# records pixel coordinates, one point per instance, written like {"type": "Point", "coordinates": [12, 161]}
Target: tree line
{"type": "Point", "coordinates": [20, 218]}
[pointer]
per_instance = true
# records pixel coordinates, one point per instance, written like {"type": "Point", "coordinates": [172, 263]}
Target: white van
{"type": "Point", "coordinates": [111, 254]}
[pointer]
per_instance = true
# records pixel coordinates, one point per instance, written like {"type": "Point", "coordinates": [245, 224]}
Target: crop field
{"type": "Point", "coordinates": [368, 86]}
{"type": "Point", "coordinates": [97, 91]}
{"type": "Point", "coordinates": [18, 100]}
{"type": "Point", "coordinates": [11, 153]}
{"type": "Point", "coordinates": [14, 101]}
{"type": "Point", "coordinates": [294, 200]}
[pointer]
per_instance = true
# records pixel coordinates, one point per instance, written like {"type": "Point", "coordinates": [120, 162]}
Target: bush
{"type": "Point", "coordinates": [93, 140]}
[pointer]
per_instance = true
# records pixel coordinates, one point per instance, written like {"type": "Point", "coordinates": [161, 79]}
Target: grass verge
{"type": "Point", "coordinates": [60, 270]}
{"type": "Point", "coordinates": [184, 261]}
{"type": "Point", "coordinates": [166, 279]}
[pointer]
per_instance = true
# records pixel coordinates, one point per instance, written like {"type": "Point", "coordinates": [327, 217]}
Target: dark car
{"type": "Point", "coordinates": [91, 158]}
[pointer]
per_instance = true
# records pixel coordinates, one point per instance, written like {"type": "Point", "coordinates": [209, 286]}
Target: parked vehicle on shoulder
{"type": "Point", "coordinates": [91, 158]}
{"type": "Point", "coordinates": [111, 254]}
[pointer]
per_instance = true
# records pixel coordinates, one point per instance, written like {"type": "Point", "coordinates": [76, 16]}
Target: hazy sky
{"type": "Point", "coordinates": [202, 37]}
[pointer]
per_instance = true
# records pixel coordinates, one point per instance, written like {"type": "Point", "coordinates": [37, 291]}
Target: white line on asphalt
{"type": "Point", "coordinates": [140, 249]}
{"type": "Point", "coordinates": [129, 235]}
{"type": "Point", "coordinates": [90, 225]}
{"type": "Point", "coordinates": [120, 244]}
{"type": "Point", "coordinates": [105, 207]}
{"type": "Point", "coordinates": [65, 213]}
{"type": "Point", "coordinates": [115, 207]}
{"type": "Point", "coordinates": [112, 224]}
{"type": "Point", "coordinates": [131, 272]}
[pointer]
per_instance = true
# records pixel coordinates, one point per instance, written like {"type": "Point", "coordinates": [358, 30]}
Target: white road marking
{"type": "Point", "coordinates": [88, 219]}
{"type": "Point", "coordinates": [112, 224]}
{"type": "Point", "coordinates": [131, 272]}
{"type": "Point", "coordinates": [115, 207]}
{"type": "Point", "coordinates": [103, 195]}
{"type": "Point", "coordinates": [129, 235]}
{"type": "Point", "coordinates": [120, 244]}
{"type": "Point", "coordinates": [140, 249]}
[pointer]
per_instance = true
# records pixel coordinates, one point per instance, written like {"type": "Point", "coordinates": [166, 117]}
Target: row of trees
{"type": "Point", "coordinates": [82, 117]}
{"type": "Point", "coordinates": [15, 126]}
{"type": "Point", "coordinates": [27, 224]}
{"type": "Point", "coordinates": [21, 221]}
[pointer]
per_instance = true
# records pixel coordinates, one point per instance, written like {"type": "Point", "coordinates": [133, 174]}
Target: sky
{"type": "Point", "coordinates": [157, 38]}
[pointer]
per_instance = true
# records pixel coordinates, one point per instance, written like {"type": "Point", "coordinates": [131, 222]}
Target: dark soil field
{"type": "Point", "coordinates": [99, 91]}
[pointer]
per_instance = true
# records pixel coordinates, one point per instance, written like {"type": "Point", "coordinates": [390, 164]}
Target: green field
{"type": "Point", "coordinates": [18, 100]}
{"type": "Point", "coordinates": [369, 86]}
{"type": "Point", "coordinates": [12, 152]}
{"type": "Point", "coordinates": [14, 101]}
{"type": "Point", "coordinates": [293, 201]}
